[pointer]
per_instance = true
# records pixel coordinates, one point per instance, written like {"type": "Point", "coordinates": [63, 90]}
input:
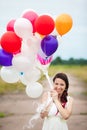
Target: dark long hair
{"type": "Point", "coordinates": [65, 78]}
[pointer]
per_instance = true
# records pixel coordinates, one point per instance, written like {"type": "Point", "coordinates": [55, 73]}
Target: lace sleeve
{"type": "Point", "coordinates": [69, 101]}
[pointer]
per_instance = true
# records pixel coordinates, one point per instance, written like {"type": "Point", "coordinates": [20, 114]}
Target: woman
{"type": "Point", "coordinates": [59, 108]}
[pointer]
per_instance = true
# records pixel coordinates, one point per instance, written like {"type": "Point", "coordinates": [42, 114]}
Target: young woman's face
{"type": "Point", "coordinates": [59, 85]}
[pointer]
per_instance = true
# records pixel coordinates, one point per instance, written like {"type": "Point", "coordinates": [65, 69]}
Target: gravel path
{"type": "Point", "coordinates": [19, 108]}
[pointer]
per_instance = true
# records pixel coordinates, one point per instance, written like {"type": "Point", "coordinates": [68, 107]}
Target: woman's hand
{"type": "Point", "coordinates": [44, 114]}
{"type": "Point", "coordinates": [54, 95]}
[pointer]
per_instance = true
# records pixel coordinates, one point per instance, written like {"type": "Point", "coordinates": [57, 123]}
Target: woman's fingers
{"type": "Point", "coordinates": [44, 114]}
{"type": "Point", "coordinates": [54, 93]}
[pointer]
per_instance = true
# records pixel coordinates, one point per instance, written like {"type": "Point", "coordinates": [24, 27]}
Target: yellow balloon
{"type": "Point", "coordinates": [63, 23]}
{"type": "Point", "coordinates": [41, 36]}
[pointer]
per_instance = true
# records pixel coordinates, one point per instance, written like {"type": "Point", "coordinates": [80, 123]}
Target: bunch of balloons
{"type": "Point", "coordinates": [27, 47]}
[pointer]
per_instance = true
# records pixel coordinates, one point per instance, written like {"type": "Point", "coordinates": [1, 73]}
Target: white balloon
{"type": "Point", "coordinates": [21, 63]}
{"type": "Point", "coordinates": [23, 28]}
{"type": "Point", "coordinates": [32, 75]}
{"type": "Point", "coordinates": [9, 74]}
{"type": "Point", "coordinates": [34, 44]}
{"type": "Point", "coordinates": [23, 80]}
{"type": "Point", "coordinates": [27, 51]}
{"type": "Point", "coordinates": [30, 48]}
{"type": "Point", "coordinates": [34, 90]}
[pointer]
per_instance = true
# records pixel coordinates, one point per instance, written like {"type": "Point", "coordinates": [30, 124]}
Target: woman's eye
{"type": "Point", "coordinates": [62, 84]}
{"type": "Point", "coordinates": [56, 83]}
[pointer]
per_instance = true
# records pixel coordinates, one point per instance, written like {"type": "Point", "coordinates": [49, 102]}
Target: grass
{"type": "Point", "coordinates": [2, 114]}
{"type": "Point", "coordinates": [78, 71]}
{"type": "Point", "coordinates": [83, 114]}
{"type": "Point", "coordinates": [10, 87]}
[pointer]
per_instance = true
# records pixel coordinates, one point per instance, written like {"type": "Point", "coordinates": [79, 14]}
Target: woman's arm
{"type": "Point", "coordinates": [65, 112]}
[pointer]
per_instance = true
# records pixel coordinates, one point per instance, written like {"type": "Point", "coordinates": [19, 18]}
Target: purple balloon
{"type": "Point", "coordinates": [5, 58]}
{"type": "Point", "coordinates": [49, 45]}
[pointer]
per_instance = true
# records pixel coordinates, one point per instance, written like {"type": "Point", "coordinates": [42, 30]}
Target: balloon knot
{"type": "Point", "coordinates": [21, 73]}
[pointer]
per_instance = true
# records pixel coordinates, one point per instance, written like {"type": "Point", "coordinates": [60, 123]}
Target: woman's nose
{"type": "Point", "coordinates": [58, 86]}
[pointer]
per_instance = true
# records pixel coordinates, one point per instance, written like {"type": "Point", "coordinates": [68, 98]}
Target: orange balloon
{"type": "Point", "coordinates": [63, 23]}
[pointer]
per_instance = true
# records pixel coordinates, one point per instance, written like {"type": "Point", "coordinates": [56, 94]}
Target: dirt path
{"type": "Point", "coordinates": [19, 109]}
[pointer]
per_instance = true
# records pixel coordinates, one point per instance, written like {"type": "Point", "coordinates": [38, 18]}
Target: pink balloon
{"type": "Point", "coordinates": [31, 16]}
{"type": "Point", "coordinates": [44, 61]}
{"type": "Point", "coordinates": [10, 25]}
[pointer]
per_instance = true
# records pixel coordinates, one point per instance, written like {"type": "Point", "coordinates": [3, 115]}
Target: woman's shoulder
{"type": "Point", "coordinates": [69, 102]}
{"type": "Point", "coordinates": [70, 99]}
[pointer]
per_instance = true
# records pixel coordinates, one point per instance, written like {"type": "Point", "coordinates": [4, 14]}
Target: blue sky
{"type": "Point", "coordinates": [74, 43]}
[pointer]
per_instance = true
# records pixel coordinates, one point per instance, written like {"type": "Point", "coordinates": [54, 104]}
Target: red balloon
{"type": "Point", "coordinates": [44, 24]}
{"type": "Point", "coordinates": [10, 42]}
{"type": "Point", "coordinates": [10, 25]}
{"type": "Point", "coordinates": [31, 16]}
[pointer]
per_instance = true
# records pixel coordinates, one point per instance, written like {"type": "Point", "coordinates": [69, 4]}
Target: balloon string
{"type": "Point", "coordinates": [47, 76]}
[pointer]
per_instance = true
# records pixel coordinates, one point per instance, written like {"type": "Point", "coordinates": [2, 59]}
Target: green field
{"type": "Point", "coordinates": [78, 71]}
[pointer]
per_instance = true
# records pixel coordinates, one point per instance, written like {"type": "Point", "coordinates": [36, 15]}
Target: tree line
{"type": "Point", "coordinates": [71, 61]}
